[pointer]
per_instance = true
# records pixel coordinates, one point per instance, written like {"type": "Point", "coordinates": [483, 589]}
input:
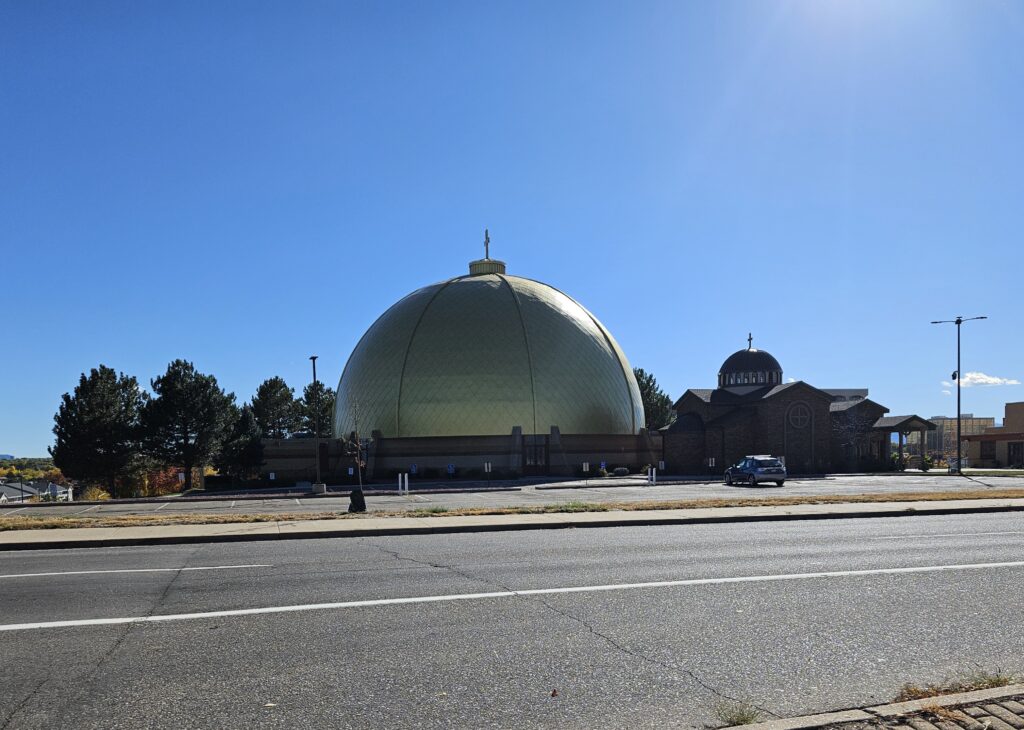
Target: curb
{"type": "Point", "coordinates": [886, 712]}
{"type": "Point", "coordinates": [423, 525]}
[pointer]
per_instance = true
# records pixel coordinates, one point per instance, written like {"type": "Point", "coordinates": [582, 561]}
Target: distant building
{"type": "Point", "coordinates": [845, 395]}
{"type": "Point", "coordinates": [999, 447]}
{"type": "Point", "coordinates": [942, 441]}
{"type": "Point", "coordinates": [16, 491]}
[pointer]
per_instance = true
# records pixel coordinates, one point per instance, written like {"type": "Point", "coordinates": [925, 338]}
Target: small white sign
{"type": "Point", "coordinates": [661, 466]}
{"type": "Point", "coordinates": [273, 476]}
{"type": "Point", "coordinates": [181, 477]}
{"type": "Point", "coordinates": [351, 470]}
{"type": "Point", "coordinates": [586, 466]}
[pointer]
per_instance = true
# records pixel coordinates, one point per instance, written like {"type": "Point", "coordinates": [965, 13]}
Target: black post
{"type": "Point", "coordinates": [957, 375]}
{"type": "Point", "coordinates": [316, 420]}
{"type": "Point", "coordinates": [959, 457]}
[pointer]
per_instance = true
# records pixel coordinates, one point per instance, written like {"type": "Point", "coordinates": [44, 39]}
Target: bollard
{"type": "Point", "coordinates": [407, 484]}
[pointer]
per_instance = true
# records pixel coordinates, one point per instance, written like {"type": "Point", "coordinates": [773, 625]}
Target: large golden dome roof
{"type": "Point", "coordinates": [482, 354]}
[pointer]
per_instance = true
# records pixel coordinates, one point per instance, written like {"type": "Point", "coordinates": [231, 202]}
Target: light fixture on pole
{"type": "Point", "coordinates": [956, 376]}
{"type": "Point", "coordinates": [316, 427]}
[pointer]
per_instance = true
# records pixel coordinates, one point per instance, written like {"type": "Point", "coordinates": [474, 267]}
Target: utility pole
{"type": "Point", "coordinates": [956, 376]}
{"type": "Point", "coordinates": [316, 420]}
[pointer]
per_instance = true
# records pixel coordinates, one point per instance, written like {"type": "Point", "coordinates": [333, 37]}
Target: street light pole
{"type": "Point", "coordinates": [956, 376]}
{"type": "Point", "coordinates": [316, 420]}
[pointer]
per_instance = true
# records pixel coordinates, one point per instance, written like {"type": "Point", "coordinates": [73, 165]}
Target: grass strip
{"type": "Point", "coordinates": [29, 522]}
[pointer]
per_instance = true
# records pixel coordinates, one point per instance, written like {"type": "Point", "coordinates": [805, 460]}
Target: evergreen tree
{"type": "Point", "coordinates": [187, 420]}
{"type": "Point", "coordinates": [308, 408]}
{"type": "Point", "coordinates": [657, 405]}
{"type": "Point", "coordinates": [97, 428]}
{"type": "Point", "coordinates": [276, 409]}
{"type": "Point", "coordinates": [241, 454]}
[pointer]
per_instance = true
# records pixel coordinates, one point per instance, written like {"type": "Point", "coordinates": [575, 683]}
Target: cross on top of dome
{"type": "Point", "coordinates": [486, 265]}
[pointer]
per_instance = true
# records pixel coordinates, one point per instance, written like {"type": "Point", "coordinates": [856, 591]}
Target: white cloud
{"type": "Point", "coordinates": [790, 380]}
{"type": "Point", "coordinates": [947, 392]}
{"type": "Point", "coordinates": [976, 378]}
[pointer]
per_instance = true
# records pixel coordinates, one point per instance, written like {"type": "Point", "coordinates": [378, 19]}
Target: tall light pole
{"type": "Point", "coordinates": [956, 376]}
{"type": "Point", "coordinates": [316, 419]}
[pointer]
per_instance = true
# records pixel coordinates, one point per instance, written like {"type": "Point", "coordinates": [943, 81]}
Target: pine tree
{"type": "Point", "coordinates": [187, 420]}
{"type": "Point", "coordinates": [276, 409]}
{"type": "Point", "coordinates": [241, 454]}
{"type": "Point", "coordinates": [657, 405]}
{"type": "Point", "coordinates": [97, 428]}
{"type": "Point", "coordinates": [308, 409]}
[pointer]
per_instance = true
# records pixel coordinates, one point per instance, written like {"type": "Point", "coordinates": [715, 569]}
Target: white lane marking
{"type": "Point", "coordinates": [948, 534]}
{"type": "Point", "coordinates": [298, 502]}
{"type": "Point", "coordinates": [133, 570]}
{"type": "Point", "coordinates": [161, 506]}
{"type": "Point", "coordinates": [11, 512]}
{"type": "Point", "coordinates": [499, 594]}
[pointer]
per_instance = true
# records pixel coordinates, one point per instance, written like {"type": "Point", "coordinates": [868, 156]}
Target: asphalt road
{"type": "Point", "coordinates": [620, 490]}
{"type": "Point", "coordinates": [637, 656]}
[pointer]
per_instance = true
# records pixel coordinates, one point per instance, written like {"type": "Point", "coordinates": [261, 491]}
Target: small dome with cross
{"type": "Point", "coordinates": [748, 367]}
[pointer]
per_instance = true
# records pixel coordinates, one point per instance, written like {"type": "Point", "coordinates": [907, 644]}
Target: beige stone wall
{"type": "Point", "coordinates": [1014, 417]}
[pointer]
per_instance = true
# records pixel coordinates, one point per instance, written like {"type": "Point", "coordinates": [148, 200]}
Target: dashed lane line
{"type": "Point", "coordinates": [134, 570]}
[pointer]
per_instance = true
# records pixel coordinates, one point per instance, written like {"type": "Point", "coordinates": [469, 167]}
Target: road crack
{"type": "Point", "coordinates": [25, 701]}
{"type": "Point", "coordinates": [88, 679]}
{"type": "Point", "coordinates": [610, 641]}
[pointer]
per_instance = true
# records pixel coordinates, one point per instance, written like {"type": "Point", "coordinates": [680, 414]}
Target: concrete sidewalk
{"type": "Point", "coordinates": [357, 526]}
{"type": "Point", "coordinates": [1000, 708]}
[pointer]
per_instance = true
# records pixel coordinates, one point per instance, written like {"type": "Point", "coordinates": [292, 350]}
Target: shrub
{"type": "Point", "coordinates": [602, 472]}
{"type": "Point", "coordinates": [95, 494]}
{"type": "Point", "coordinates": [621, 471]}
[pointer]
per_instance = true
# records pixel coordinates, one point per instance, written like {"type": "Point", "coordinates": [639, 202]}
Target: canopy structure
{"type": "Point", "coordinates": [903, 425]}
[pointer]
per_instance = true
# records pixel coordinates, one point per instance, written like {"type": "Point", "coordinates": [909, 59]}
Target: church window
{"type": "Point", "coordinates": [760, 377]}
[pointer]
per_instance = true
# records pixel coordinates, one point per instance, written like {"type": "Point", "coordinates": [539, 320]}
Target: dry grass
{"type": "Point", "coordinates": [28, 522]}
{"type": "Point", "coordinates": [939, 713]}
{"type": "Point", "coordinates": [737, 713]}
{"type": "Point", "coordinates": [969, 681]}
{"type": "Point", "coordinates": [95, 494]}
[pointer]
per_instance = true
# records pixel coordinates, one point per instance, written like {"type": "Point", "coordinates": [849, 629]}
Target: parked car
{"type": "Point", "coordinates": [756, 469]}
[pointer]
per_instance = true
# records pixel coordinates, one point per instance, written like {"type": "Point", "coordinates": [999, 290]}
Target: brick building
{"type": "Point", "coordinates": [1001, 446]}
{"type": "Point", "coordinates": [752, 411]}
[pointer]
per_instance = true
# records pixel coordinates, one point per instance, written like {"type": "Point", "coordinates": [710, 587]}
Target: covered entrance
{"type": "Point", "coordinates": [904, 425]}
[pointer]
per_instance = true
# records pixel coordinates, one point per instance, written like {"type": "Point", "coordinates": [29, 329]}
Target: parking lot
{"type": "Point", "coordinates": [626, 489]}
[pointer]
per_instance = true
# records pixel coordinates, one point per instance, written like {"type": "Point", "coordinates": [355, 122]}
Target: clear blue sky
{"type": "Point", "coordinates": [243, 184]}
